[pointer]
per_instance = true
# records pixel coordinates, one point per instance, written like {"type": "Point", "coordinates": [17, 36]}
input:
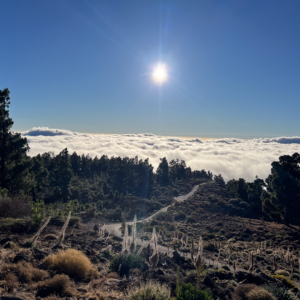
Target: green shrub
{"type": "Point", "coordinates": [279, 293]}
{"type": "Point", "coordinates": [188, 292]}
{"type": "Point", "coordinates": [151, 291]}
{"type": "Point", "coordinates": [123, 262]}
{"type": "Point", "coordinates": [286, 281]}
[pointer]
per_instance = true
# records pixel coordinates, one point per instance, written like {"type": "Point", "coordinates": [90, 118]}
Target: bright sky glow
{"type": "Point", "coordinates": [160, 73]}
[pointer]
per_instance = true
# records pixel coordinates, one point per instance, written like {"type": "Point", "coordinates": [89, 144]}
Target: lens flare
{"type": "Point", "coordinates": [160, 73]}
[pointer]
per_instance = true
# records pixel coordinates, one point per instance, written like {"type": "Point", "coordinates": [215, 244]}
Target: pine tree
{"type": "Point", "coordinates": [13, 148]}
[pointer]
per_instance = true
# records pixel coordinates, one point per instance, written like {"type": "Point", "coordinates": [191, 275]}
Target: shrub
{"type": "Point", "coordinates": [151, 291]}
{"type": "Point", "coordinates": [71, 262]}
{"type": "Point", "coordinates": [240, 292]}
{"type": "Point", "coordinates": [187, 292]}
{"type": "Point", "coordinates": [60, 284]}
{"type": "Point", "coordinates": [11, 282]}
{"type": "Point", "coordinates": [164, 216]}
{"type": "Point", "coordinates": [286, 281]}
{"type": "Point", "coordinates": [15, 207]}
{"type": "Point", "coordinates": [122, 263]}
{"type": "Point", "coordinates": [260, 294]}
{"type": "Point", "coordinates": [279, 293]}
{"type": "Point", "coordinates": [27, 272]}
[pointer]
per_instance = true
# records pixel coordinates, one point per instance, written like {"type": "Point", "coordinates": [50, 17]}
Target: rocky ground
{"type": "Point", "coordinates": [236, 251]}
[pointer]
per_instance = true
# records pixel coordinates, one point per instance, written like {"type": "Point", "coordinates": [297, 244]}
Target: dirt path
{"type": "Point", "coordinates": [115, 229]}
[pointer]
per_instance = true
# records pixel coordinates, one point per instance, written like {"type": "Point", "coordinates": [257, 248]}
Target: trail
{"type": "Point", "coordinates": [115, 229]}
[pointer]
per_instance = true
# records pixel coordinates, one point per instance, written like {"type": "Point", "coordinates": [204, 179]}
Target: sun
{"type": "Point", "coordinates": [160, 73]}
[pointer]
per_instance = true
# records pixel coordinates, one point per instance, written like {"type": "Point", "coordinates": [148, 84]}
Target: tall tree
{"type": "Point", "coordinates": [63, 174]}
{"type": "Point", "coordinates": [162, 177]}
{"type": "Point", "coordinates": [282, 198]}
{"type": "Point", "coordinates": [13, 149]}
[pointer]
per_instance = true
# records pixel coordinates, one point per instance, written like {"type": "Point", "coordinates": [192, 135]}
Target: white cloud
{"type": "Point", "coordinates": [233, 158]}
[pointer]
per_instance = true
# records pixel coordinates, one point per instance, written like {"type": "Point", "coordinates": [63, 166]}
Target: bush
{"type": "Point", "coordinates": [151, 291]}
{"type": "Point", "coordinates": [286, 281]}
{"type": "Point", "coordinates": [240, 292]}
{"type": "Point", "coordinates": [15, 207]}
{"type": "Point", "coordinates": [122, 263]}
{"type": "Point", "coordinates": [59, 284]}
{"type": "Point", "coordinates": [164, 216]}
{"type": "Point", "coordinates": [71, 262]}
{"type": "Point", "coordinates": [26, 272]}
{"type": "Point", "coordinates": [279, 293]}
{"type": "Point", "coordinates": [11, 282]}
{"type": "Point", "coordinates": [260, 294]}
{"type": "Point", "coordinates": [187, 292]}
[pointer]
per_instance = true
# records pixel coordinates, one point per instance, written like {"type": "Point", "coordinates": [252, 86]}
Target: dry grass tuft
{"type": "Point", "coordinates": [59, 284]}
{"type": "Point", "coordinates": [260, 294]}
{"type": "Point", "coordinates": [150, 291]}
{"type": "Point", "coordinates": [241, 291]}
{"type": "Point", "coordinates": [27, 272]}
{"type": "Point", "coordinates": [113, 275]}
{"type": "Point", "coordinates": [71, 262]}
{"type": "Point", "coordinates": [282, 272]}
{"type": "Point", "coordinates": [11, 282]}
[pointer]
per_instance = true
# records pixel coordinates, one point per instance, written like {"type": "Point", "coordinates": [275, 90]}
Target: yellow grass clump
{"type": "Point", "coordinates": [71, 262]}
{"type": "Point", "coordinates": [260, 294]}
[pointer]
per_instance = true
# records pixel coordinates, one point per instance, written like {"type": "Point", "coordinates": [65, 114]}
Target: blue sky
{"type": "Point", "coordinates": [86, 66]}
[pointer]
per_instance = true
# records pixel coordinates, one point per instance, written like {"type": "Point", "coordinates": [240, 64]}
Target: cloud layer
{"type": "Point", "coordinates": [233, 158]}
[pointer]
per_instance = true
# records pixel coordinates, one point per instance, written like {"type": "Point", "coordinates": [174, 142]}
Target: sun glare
{"type": "Point", "coordinates": [160, 73]}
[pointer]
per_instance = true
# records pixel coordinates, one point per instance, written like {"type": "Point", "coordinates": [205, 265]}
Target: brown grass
{"type": "Point", "coordinates": [11, 282]}
{"type": "Point", "coordinates": [240, 292]}
{"type": "Point", "coordinates": [112, 275]}
{"type": "Point", "coordinates": [260, 294]}
{"type": "Point", "coordinates": [71, 262]}
{"type": "Point", "coordinates": [28, 273]}
{"type": "Point", "coordinates": [60, 284]}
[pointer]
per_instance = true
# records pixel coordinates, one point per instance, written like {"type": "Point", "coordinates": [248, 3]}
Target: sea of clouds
{"type": "Point", "coordinates": [233, 158]}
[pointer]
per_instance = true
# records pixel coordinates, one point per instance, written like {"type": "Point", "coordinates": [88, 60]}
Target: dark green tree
{"type": "Point", "coordinates": [63, 174]}
{"type": "Point", "coordinates": [162, 177]}
{"type": "Point", "coordinates": [282, 198]}
{"type": "Point", "coordinates": [13, 148]}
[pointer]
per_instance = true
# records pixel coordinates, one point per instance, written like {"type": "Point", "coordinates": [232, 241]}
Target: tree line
{"type": "Point", "coordinates": [72, 176]}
